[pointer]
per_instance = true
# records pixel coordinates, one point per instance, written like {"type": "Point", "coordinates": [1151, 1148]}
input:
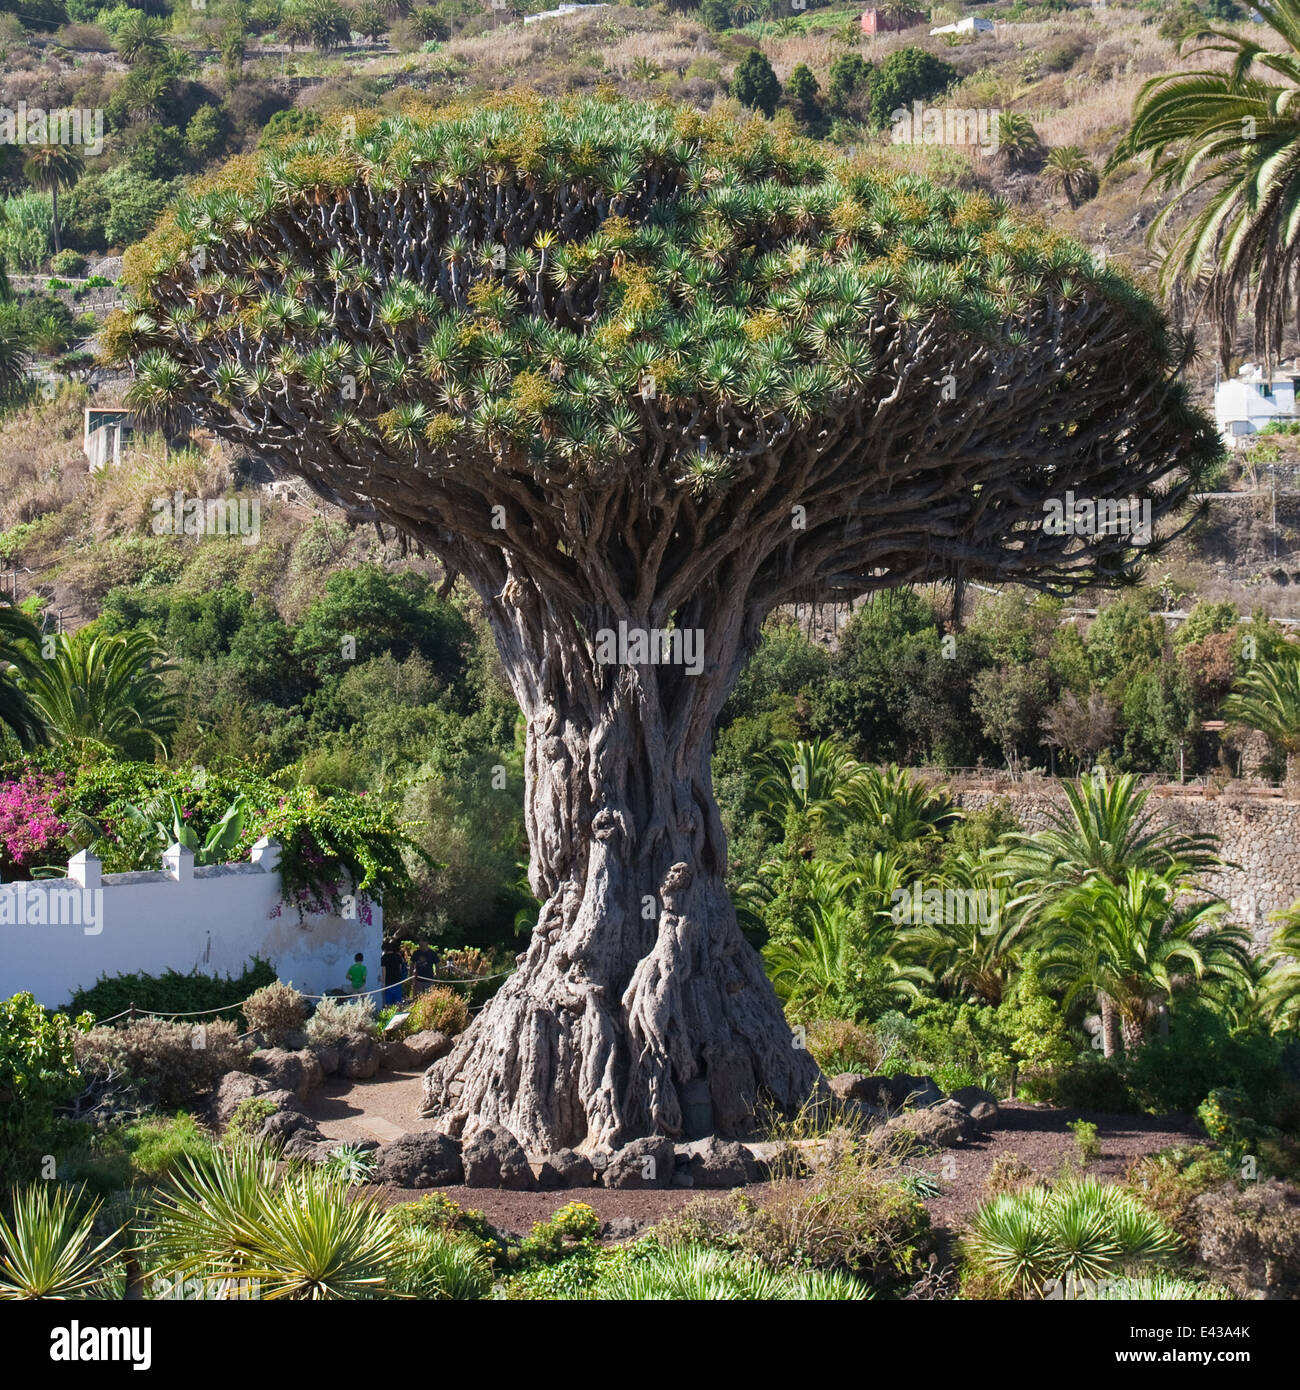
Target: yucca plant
{"type": "Point", "coordinates": [1158, 1287]}
{"type": "Point", "coordinates": [47, 1248]}
{"type": "Point", "coordinates": [302, 1234]}
{"type": "Point", "coordinates": [1080, 1230]}
{"type": "Point", "coordinates": [512, 434]}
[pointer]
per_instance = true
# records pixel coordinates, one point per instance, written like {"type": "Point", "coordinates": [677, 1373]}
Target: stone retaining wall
{"type": "Point", "coordinates": [1259, 835]}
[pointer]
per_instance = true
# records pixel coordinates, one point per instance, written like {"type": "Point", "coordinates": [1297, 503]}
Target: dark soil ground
{"type": "Point", "coordinates": [1037, 1134]}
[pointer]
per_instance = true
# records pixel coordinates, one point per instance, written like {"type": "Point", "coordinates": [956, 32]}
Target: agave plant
{"type": "Point", "coordinates": [46, 1248]}
{"type": "Point", "coordinates": [1081, 1230]}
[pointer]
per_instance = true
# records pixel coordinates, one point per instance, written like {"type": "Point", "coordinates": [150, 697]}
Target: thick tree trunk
{"type": "Point", "coordinates": [638, 1007]}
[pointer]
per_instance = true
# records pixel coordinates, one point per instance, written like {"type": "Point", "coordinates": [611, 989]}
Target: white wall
{"type": "Point", "coordinates": [213, 920]}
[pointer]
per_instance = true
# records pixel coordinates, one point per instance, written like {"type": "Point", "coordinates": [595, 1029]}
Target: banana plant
{"type": "Point", "coordinates": [221, 841]}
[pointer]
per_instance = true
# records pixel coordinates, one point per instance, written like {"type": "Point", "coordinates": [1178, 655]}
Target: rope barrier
{"type": "Point", "coordinates": [133, 1012]}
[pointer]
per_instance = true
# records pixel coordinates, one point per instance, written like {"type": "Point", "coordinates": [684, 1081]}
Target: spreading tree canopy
{"type": "Point", "coordinates": [629, 368]}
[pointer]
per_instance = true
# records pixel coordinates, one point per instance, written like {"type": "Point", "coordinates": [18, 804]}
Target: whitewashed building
{"type": "Point", "coordinates": [1245, 403]}
{"type": "Point", "coordinates": [972, 24]}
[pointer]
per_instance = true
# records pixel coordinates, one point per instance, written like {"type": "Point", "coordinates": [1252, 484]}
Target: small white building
{"type": "Point", "coordinates": [1244, 404]}
{"type": "Point", "coordinates": [106, 430]}
{"type": "Point", "coordinates": [972, 24]}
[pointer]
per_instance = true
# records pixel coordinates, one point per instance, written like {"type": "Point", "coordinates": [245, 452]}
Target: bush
{"type": "Point", "coordinates": [337, 1019]}
{"type": "Point", "coordinates": [274, 1010]}
{"type": "Point", "coordinates": [1086, 1144]}
{"type": "Point", "coordinates": [572, 1226]}
{"type": "Point", "coordinates": [171, 993]}
{"type": "Point", "coordinates": [440, 1008]}
{"type": "Point", "coordinates": [161, 1143]}
{"type": "Point", "coordinates": [696, 1273]}
{"type": "Point", "coordinates": [437, 1212]}
{"type": "Point", "coordinates": [846, 1218]}
{"type": "Point", "coordinates": [838, 1045]}
{"type": "Point", "coordinates": [1251, 1240]}
{"type": "Point", "coordinates": [68, 263]}
{"type": "Point", "coordinates": [38, 1070]}
{"type": "Point", "coordinates": [171, 1063]}
{"type": "Point", "coordinates": [437, 1266]}
{"type": "Point", "coordinates": [1170, 1181]}
{"type": "Point", "coordinates": [1009, 1173]}
{"type": "Point", "coordinates": [247, 1119]}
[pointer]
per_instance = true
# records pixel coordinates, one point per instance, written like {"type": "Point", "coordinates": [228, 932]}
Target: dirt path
{"type": "Point", "coordinates": [388, 1104]}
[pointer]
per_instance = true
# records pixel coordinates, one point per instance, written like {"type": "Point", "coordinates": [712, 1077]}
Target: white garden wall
{"type": "Point", "coordinates": [59, 935]}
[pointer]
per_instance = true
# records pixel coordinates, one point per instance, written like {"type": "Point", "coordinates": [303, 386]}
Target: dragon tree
{"type": "Point", "coordinates": [641, 375]}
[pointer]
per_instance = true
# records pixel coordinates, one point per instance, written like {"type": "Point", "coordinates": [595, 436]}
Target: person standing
{"type": "Point", "coordinates": [424, 966]}
{"type": "Point", "coordinates": [357, 974]}
{"type": "Point", "coordinates": [392, 964]}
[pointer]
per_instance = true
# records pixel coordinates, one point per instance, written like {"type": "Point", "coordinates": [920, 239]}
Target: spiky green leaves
{"type": "Point", "coordinates": [651, 266]}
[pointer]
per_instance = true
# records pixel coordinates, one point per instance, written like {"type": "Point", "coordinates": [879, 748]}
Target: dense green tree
{"type": "Point", "coordinates": [907, 75]}
{"type": "Point", "coordinates": [755, 83]}
{"type": "Point", "coordinates": [850, 75]}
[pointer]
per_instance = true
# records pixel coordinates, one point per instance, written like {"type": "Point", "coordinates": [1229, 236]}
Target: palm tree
{"type": "Point", "coordinates": [1279, 992]}
{"type": "Point", "coordinates": [644, 70]}
{"type": "Point", "coordinates": [18, 640]}
{"type": "Point", "coordinates": [904, 807]}
{"type": "Point", "coordinates": [1103, 831]}
{"type": "Point", "coordinates": [330, 23]}
{"type": "Point", "coordinates": [1070, 170]}
{"type": "Point", "coordinates": [14, 343]}
{"type": "Point", "coordinates": [813, 779]}
{"type": "Point", "coordinates": [1018, 144]}
{"type": "Point", "coordinates": [1230, 132]}
{"type": "Point", "coordinates": [106, 690]}
{"type": "Point", "coordinates": [974, 956]}
{"type": "Point", "coordinates": [141, 39]}
{"type": "Point", "coordinates": [1267, 698]}
{"type": "Point", "coordinates": [1136, 943]}
{"type": "Point", "coordinates": [50, 168]}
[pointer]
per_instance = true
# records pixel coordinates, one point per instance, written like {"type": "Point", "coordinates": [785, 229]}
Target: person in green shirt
{"type": "Point", "coordinates": [357, 974]}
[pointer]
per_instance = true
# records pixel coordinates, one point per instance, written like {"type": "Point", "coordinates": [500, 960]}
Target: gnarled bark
{"type": "Point", "coordinates": [638, 1007]}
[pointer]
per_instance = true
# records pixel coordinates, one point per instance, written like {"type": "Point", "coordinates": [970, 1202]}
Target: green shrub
{"type": "Point", "coordinates": [38, 1070]}
{"type": "Point", "coordinates": [437, 1212]}
{"type": "Point", "coordinates": [441, 1008]}
{"type": "Point", "coordinates": [1086, 1144]}
{"type": "Point", "coordinates": [1170, 1181]}
{"type": "Point", "coordinates": [1225, 1115]}
{"type": "Point", "coordinates": [247, 1119]}
{"type": "Point", "coordinates": [351, 1162]}
{"type": "Point", "coordinates": [161, 1143]}
{"type": "Point", "coordinates": [171, 1063]}
{"type": "Point", "coordinates": [71, 263]}
{"type": "Point", "coordinates": [171, 992]}
{"type": "Point", "coordinates": [845, 1218]}
{"type": "Point", "coordinates": [274, 1010]}
{"type": "Point", "coordinates": [337, 1019]}
{"type": "Point", "coordinates": [437, 1266]}
{"type": "Point", "coordinates": [570, 1227]}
